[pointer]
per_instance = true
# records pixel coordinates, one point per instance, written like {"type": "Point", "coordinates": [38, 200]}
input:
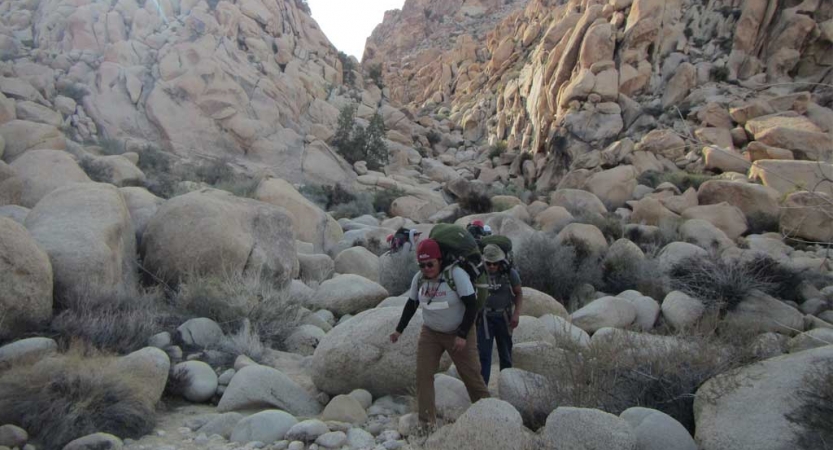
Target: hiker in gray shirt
{"type": "Point", "coordinates": [502, 311]}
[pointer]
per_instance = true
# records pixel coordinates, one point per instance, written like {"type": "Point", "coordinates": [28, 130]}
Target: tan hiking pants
{"type": "Point", "coordinates": [430, 349]}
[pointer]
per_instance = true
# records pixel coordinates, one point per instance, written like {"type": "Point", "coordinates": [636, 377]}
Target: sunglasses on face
{"type": "Point", "coordinates": [492, 263]}
{"type": "Point", "coordinates": [426, 265]}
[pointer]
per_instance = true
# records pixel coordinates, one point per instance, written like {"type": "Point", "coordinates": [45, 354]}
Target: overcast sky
{"type": "Point", "coordinates": [348, 23]}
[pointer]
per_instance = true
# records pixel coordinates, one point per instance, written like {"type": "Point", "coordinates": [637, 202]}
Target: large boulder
{"type": "Point", "coordinates": [663, 142]}
{"type": "Point", "coordinates": [25, 280]}
{"type": "Point", "coordinates": [807, 216]}
{"type": "Point", "coordinates": [682, 311]}
{"type": "Point", "coordinates": [358, 261]}
{"type": "Point", "coordinates": [656, 430]}
{"type": "Point", "coordinates": [761, 312]}
{"type": "Point", "coordinates": [756, 201]}
{"type": "Point", "coordinates": [212, 232]}
{"type": "Point", "coordinates": [647, 309]}
{"type": "Point", "coordinates": [728, 218]}
{"type": "Point", "coordinates": [530, 393]}
{"type": "Point", "coordinates": [344, 408]}
{"type": "Point", "coordinates": [566, 334]}
{"type": "Point", "coordinates": [22, 135]}
{"type": "Point", "coordinates": [675, 252]}
{"type": "Point", "coordinates": [87, 232]}
{"type": "Point", "coordinates": [358, 354]}
{"type": "Point", "coordinates": [348, 294]}
{"type": "Point", "coordinates": [11, 185]}
{"type": "Point", "coordinates": [311, 223]}
{"type": "Point", "coordinates": [202, 381]}
{"type": "Point", "coordinates": [265, 426]}
{"type": "Point", "coordinates": [451, 397]}
{"type": "Point", "coordinates": [316, 267]}
{"type": "Point", "coordinates": [43, 171]}
{"type": "Point", "coordinates": [784, 176]}
{"type": "Point", "coordinates": [582, 428]}
{"type": "Point", "coordinates": [537, 304]}
{"type": "Point", "coordinates": [552, 217]}
{"type": "Point", "coordinates": [258, 386]}
{"type": "Point", "coordinates": [705, 235]}
{"type": "Point", "coordinates": [490, 424]}
{"type": "Point", "coordinates": [584, 237]}
{"type": "Point", "coordinates": [605, 312]}
{"type": "Point", "coordinates": [578, 202]}
{"type": "Point", "coordinates": [152, 366]}
{"type": "Point", "coordinates": [724, 420]}
{"type": "Point", "coordinates": [142, 206]}
{"type": "Point", "coordinates": [27, 349]}
{"type": "Point", "coordinates": [614, 186]}
{"type": "Point", "coordinates": [14, 212]}
{"type": "Point", "coordinates": [539, 357]}
{"type": "Point", "coordinates": [792, 132]}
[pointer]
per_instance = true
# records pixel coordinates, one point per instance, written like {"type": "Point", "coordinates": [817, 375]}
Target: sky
{"type": "Point", "coordinates": [348, 23]}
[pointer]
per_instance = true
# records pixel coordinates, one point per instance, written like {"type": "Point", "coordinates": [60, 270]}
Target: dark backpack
{"type": "Point", "coordinates": [400, 238]}
{"type": "Point", "coordinates": [461, 250]}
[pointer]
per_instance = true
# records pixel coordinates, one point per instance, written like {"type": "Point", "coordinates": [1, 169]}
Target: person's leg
{"type": "Point", "coordinates": [467, 362]}
{"type": "Point", "coordinates": [500, 328]}
{"type": "Point", "coordinates": [485, 340]}
{"type": "Point", "coordinates": [429, 351]}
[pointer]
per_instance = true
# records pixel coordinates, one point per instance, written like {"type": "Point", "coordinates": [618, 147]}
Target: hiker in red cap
{"type": "Point", "coordinates": [448, 326]}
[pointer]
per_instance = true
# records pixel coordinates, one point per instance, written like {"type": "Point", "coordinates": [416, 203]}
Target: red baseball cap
{"type": "Point", "coordinates": [427, 250]}
{"type": "Point", "coordinates": [477, 223]}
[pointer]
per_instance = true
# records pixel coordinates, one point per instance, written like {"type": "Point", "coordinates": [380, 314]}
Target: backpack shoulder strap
{"type": "Point", "coordinates": [448, 277]}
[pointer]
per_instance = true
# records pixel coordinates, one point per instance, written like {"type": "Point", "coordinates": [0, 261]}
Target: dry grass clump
{"type": "Point", "coordinates": [556, 268]}
{"type": "Point", "coordinates": [232, 299]}
{"type": "Point", "coordinates": [659, 372]}
{"type": "Point", "coordinates": [63, 398]}
{"type": "Point", "coordinates": [119, 322]}
{"type": "Point", "coordinates": [397, 270]}
{"type": "Point", "coordinates": [723, 284]}
{"type": "Point", "coordinates": [815, 415]}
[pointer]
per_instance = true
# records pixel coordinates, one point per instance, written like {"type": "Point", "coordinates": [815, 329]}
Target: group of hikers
{"type": "Point", "coordinates": [471, 297]}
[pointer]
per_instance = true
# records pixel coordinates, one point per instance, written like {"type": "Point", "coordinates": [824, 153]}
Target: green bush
{"type": "Point", "coordinates": [356, 143]}
{"type": "Point", "coordinates": [611, 225]}
{"type": "Point", "coordinates": [497, 149]}
{"type": "Point", "coordinates": [434, 137]}
{"type": "Point", "coordinates": [475, 203]}
{"type": "Point", "coordinates": [383, 199]}
{"type": "Point", "coordinates": [215, 171]}
{"type": "Point", "coordinates": [375, 75]}
{"type": "Point", "coordinates": [719, 73]}
{"type": "Point", "coordinates": [362, 204]}
{"type": "Point", "coordinates": [347, 69]}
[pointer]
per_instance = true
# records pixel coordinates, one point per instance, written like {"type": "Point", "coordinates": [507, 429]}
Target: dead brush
{"type": "Point", "coordinates": [230, 299]}
{"type": "Point", "coordinates": [659, 372]}
{"type": "Point", "coordinates": [815, 415]}
{"type": "Point", "coordinates": [119, 322]}
{"type": "Point", "coordinates": [62, 398]}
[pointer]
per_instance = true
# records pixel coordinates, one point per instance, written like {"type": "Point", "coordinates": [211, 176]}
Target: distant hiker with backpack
{"type": "Point", "coordinates": [403, 239]}
{"type": "Point", "coordinates": [449, 309]}
{"type": "Point", "coordinates": [502, 311]}
{"type": "Point", "coordinates": [477, 229]}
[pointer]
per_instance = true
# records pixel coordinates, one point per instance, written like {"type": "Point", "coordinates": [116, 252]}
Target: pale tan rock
{"type": "Point", "coordinates": [807, 216]}
{"type": "Point", "coordinates": [309, 222]}
{"type": "Point", "coordinates": [650, 211]}
{"type": "Point", "coordinates": [25, 280]}
{"type": "Point", "coordinates": [225, 234]}
{"type": "Point", "coordinates": [552, 217]}
{"type": "Point", "coordinates": [789, 176]}
{"type": "Point", "coordinates": [724, 216]}
{"type": "Point", "coordinates": [663, 142]}
{"type": "Point", "coordinates": [11, 186]}
{"type": "Point", "coordinates": [43, 171]}
{"type": "Point", "coordinates": [714, 115]}
{"type": "Point", "coordinates": [679, 203]}
{"type": "Point", "coordinates": [796, 133]}
{"type": "Point", "coordinates": [725, 160]}
{"type": "Point", "coordinates": [21, 135]}
{"type": "Point", "coordinates": [578, 202]}
{"type": "Point", "coordinates": [756, 201]}
{"type": "Point", "coordinates": [614, 186]}
{"type": "Point", "coordinates": [678, 88]}
{"type": "Point", "coordinates": [86, 230]}
{"type": "Point", "coordinates": [38, 113]}
{"type": "Point", "coordinates": [358, 261]}
{"type": "Point", "coordinates": [720, 137]}
{"type": "Point", "coordinates": [758, 150]}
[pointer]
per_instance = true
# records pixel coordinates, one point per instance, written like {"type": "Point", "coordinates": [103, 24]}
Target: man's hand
{"type": "Point", "coordinates": [395, 336]}
{"type": "Point", "coordinates": [459, 344]}
{"type": "Point", "coordinates": [514, 320]}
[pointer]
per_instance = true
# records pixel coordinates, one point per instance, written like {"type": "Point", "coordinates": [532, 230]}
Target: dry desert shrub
{"type": "Point", "coordinates": [62, 398]}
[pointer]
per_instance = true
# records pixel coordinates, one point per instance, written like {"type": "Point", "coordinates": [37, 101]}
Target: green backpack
{"type": "Point", "coordinates": [461, 250]}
